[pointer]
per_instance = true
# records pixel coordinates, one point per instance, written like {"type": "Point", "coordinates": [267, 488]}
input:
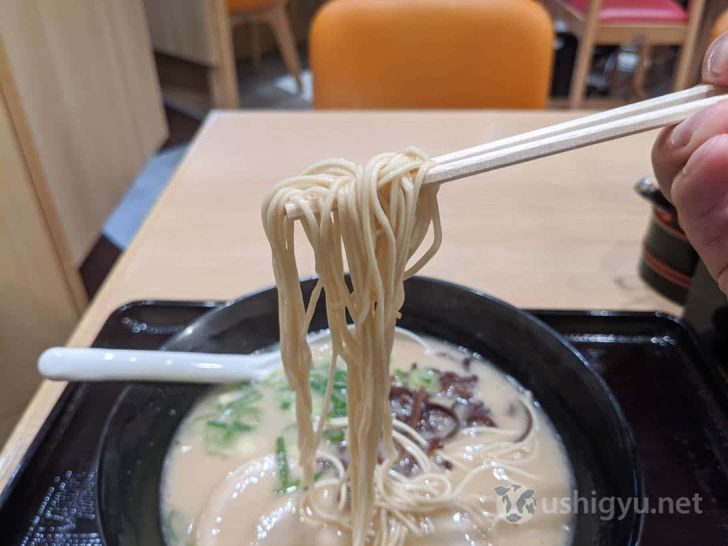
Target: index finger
{"type": "Point", "coordinates": [715, 64]}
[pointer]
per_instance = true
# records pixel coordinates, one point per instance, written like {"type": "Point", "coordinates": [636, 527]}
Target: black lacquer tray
{"type": "Point", "coordinates": [670, 390]}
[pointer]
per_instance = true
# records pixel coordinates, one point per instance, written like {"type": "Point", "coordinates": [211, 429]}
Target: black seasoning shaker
{"type": "Point", "coordinates": [672, 267]}
{"type": "Point", "coordinates": [668, 261]}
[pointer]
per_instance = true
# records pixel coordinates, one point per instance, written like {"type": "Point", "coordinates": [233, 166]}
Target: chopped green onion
{"type": "Point", "coordinates": [423, 378]}
{"type": "Point", "coordinates": [170, 523]}
{"type": "Point", "coordinates": [318, 381]}
{"type": "Point", "coordinates": [284, 472]}
{"type": "Point", "coordinates": [402, 377]}
{"type": "Point", "coordinates": [233, 427]}
{"type": "Point", "coordinates": [287, 401]}
{"type": "Point", "coordinates": [282, 465]}
{"type": "Point", "coordinates": [234, 412]}
{"type": "Point", "coordinates": [335, 436]}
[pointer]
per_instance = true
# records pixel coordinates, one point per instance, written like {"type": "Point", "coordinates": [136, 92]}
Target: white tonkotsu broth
{"type": "Point", "coordinates": [223, 484]}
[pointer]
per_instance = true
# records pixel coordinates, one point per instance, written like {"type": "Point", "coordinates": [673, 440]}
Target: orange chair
{"type": "Point", "coordinates": [431, 54]}
{"type": "Point", "coordinates": [274, 13]}
{"type": "Point", "coordinates": [720, 26]}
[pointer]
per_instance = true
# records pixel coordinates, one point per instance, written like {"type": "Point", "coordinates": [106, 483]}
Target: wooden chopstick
{"type": "Point", "coordinates": [577, 133]}
{"type": "Point", "coordinates": [665, 101]}
{"type": "Point", "coordinates": [586, 133]}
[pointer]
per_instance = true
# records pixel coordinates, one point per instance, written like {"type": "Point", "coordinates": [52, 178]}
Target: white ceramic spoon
{"type": "Point", "coordinates": [71, 364]}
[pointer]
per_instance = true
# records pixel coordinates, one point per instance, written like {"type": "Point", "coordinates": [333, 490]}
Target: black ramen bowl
{"type": "Point", "coordinates": [598, 440]}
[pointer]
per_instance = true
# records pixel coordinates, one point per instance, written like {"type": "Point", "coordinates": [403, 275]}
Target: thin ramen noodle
{"type": "Point", "coordinates": [371, 219]}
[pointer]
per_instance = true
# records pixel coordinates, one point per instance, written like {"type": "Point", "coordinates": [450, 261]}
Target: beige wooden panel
{"type": "Point", "coordinates": [30, 155]}
{"type": "Point", "coordinates": [184, 29]}
{"type": "Point", "coordinates": [37, 308]}
{"type": "Point", "coordinates": [87, 87]}
{"type": "Point", "coordinates": [198, 32]}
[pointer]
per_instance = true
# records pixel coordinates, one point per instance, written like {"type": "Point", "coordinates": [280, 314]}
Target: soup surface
{"type": "Point", "coordinates": [231, 475]}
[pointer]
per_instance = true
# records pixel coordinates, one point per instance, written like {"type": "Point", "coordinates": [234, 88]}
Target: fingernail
{"type": "Point", "coordinates": [718, 58]}
{"type": "Point", "coordinates": [699, 155]}
{"type": "Point", "coordinates": [683, 133]}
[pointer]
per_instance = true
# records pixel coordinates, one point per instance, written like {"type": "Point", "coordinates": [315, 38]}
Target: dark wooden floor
{"type": "Point", "coordinates": [104, 254]}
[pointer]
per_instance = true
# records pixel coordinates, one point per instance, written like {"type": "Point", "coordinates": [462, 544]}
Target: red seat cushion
{"type": "Point", "coordinates": [636, 11]}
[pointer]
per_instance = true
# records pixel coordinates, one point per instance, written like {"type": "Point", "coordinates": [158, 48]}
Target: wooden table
{"type": "Point", "coordinates": [561, 232]}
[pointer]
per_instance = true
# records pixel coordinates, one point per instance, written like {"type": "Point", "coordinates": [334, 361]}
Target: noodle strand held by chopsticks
{"type": "Point", "coordinates": [371, 220]}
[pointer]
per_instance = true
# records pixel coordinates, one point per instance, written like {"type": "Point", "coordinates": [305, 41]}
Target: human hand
{"type": "Point", "coordinates": [691, 165]}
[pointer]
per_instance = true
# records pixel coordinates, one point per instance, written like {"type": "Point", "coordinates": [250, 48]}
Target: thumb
{"type": "Point", "coordinates": [715, 65]}
{"type": "Point", "coordinates": [700, 193]}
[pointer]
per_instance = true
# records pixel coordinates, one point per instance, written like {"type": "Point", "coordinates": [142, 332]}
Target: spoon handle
{"type": "Point", "coordinates": [71, 364]}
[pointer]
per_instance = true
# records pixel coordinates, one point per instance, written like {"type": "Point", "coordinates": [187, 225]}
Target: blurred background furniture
{"type": "Point", "coordinates": [200, 47]}
{"type": "Point", "coordinates": [431, 54]}
{"type": "Point", "coordinates": [80, 114]}
{"type": "Point", "coordinates": [712, 22]}
{"type": "Point", "coordinates": [194, 37]}
{"type": "Point", "coordinates": [40, 290]}
{"type": "Point", "coordinates": [644, 23]}
{"type": "Point", "coordinates": [720, 26]}
{"type": "Point", "coordinates": [272, 12]}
